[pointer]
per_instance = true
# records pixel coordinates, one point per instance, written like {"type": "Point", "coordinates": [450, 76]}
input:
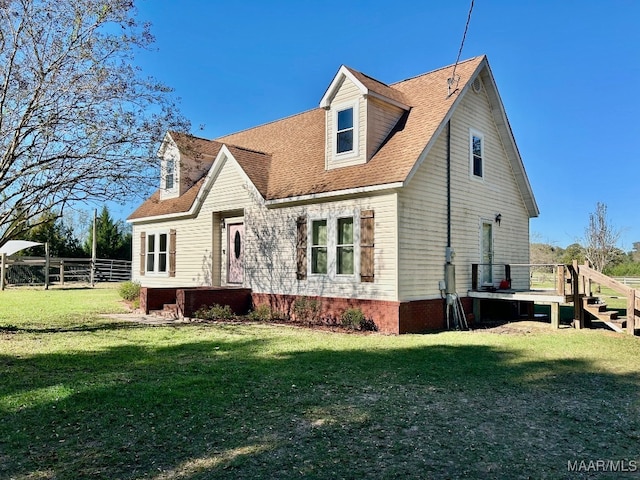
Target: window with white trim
{"type": "Point", "coordinates": [332, 245]}
{"type": "Point", "coordinates": [344, 131]}
{"type": "Point", "coordinates": [157, 252]}
{"type": "Point", "coordinates": [344, 247]}
{"type": "Point", "coordinates": [476, 154]}
{"type": "Point", "coordinates": [169, 174]}
{"type": "Point", "coordinates": [319, 246]}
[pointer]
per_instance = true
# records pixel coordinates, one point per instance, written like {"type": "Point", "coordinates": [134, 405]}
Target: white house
{"type": "Point", "coordinates": [356, 203]}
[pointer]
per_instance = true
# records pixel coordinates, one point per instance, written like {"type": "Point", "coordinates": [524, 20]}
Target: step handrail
{"type": "Point", "coordinates": [632, 294]}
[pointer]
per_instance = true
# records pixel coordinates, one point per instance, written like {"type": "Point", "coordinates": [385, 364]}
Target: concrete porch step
{"type": "Point", "coordinates": [169, 311]}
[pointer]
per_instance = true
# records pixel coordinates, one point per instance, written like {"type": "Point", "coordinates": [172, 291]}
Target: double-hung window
{"type": "Point", "coordinates": [344, 247]}
{"type": "Point", "coordinates": [157, 252]}
{"type": "Point", "coordinates": [169, 174]}
{"type": "Point", "coordinates": [344, 132]}
{"type": "Point", "coordinates": [476, 147]}
{"type": "Point", "coordinates": [319, 246]}
{"type": "Point", "coordinates": [333, 246]}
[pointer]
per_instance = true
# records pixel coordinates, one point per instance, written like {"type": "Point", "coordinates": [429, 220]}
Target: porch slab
{"type": "Point", "coordinates": [545, 297]}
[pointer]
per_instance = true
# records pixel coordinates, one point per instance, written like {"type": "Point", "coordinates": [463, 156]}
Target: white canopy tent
{"type": "Point", "coordinates": [11, 247]}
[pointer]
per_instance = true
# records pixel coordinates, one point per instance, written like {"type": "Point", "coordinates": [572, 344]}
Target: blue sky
{"type": "Point", "coordinates": [567, 72]}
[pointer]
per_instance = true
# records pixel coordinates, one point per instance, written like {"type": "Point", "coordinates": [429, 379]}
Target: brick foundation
{"type": "Point", "coordinates": [189, 300]}
{"type": "Point", "coordinates": [391, 317]}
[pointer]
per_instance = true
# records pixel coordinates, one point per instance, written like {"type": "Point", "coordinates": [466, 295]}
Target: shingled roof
{"type": "Point", "coordinates": [285, 159]}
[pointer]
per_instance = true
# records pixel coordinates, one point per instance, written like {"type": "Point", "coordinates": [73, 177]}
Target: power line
{"type": "Point", "coordinates": [453, 78]}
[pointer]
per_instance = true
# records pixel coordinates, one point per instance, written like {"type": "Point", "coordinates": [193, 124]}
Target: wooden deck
{"type": "Point", "coordinates": [543, 297]}
{"type": "Point", "coordinates": [573, 285]}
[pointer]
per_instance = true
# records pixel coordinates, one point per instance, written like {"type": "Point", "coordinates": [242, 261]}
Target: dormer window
{"type": "Point", "coordinates": [169, 174]}
{"type": "Point", "coordinates": [345, 141]}
{"type": "Point", "coordinates": [345, 131]}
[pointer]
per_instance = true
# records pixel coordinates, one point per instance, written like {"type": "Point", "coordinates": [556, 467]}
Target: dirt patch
{"type": "Point", "coordinates": [521, 327]}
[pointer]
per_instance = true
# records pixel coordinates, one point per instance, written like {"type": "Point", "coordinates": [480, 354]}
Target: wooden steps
{"type": "Point", "coordinates": [599, 310]}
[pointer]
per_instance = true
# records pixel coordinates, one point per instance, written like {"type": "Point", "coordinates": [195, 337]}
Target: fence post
{"type": "Point", "coordinates": [47, 264]}
{"type": "Point", "coordinates": [578, 314]}
{"type": "Point", "coordinates": [94, 248]}
{"type": "Point", "coordinates": [474, 276]}
{"type": "Point", "coordinates": [61, 272]}
{"type": "Point", "coordinates": [631, 312]}
{"type": "Point", "coordinates": [560, 276]}
{"type": "Point", "coordinates": [3, 261]}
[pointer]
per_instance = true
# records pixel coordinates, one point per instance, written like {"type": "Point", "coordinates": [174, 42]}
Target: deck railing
{"type": "Point", "coordinates": [521, 276]}
{"type": "Point", "coordinates": [587, 275]}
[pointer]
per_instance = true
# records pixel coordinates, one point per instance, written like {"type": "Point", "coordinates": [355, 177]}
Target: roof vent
{"type": "Point", "coordinates": [477, 85]}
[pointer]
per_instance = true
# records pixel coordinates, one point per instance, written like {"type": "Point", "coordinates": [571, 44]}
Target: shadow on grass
{"type": "Point", "coordinates": [90, 327]}
{"type": "Point", "coordinates": [246, 409]}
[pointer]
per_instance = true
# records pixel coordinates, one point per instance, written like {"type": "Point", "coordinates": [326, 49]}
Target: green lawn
{"type": "Point", "coordinates": [86, 397]}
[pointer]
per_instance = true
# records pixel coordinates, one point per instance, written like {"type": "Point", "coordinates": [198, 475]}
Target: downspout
{"type": "Point", "coordinates": [449, 184]}
{"type": "Point", "coordinates": [449, 267]}
{"type": "Point", "coordinates": [454, 313]}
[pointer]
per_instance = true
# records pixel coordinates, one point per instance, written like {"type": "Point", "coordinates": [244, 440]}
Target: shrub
{"type": "Point", "coordinates": [130, 291]}
{"type": "Point", "coordinates": [307, 310]}
{"type": "Point", "coordinates": [627, 269]}
{"type": "Point", "coordinates": [368, 325]}
{"type": "Point", "coordinates": [262, 313]}
{"type": "Point", "coordinates": [214, 312]}
{"type": "Point", "coordinates": [354, 319]}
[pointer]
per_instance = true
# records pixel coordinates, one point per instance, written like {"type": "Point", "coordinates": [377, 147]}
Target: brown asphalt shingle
{"type": "Point", "coordinates": [286, 158]}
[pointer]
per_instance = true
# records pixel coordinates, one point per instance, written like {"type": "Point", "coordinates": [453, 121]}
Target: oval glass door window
{"type": "Point", "coordinates": [236, 244]}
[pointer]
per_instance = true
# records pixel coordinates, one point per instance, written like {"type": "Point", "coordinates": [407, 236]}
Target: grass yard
{"type": "Point", "coordinates": [86, 397]}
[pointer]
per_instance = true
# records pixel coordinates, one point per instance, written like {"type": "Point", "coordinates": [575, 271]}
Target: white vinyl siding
{"type": "Point", "coordinates": [271, 245]}
{"type": "Point", "coordinates": [186, 171]}
{"type": "Point", "coordinates": [382, 118]}
{"type": "Point", "coordinates": [348, 95]}
{"type": "Point", "coordinates": [423, 209]}
{"type": "Point", "coordinates": [196, 264]}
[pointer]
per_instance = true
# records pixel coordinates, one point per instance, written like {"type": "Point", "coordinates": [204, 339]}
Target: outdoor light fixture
{"type": "Point", "coordinates": [498, 218]}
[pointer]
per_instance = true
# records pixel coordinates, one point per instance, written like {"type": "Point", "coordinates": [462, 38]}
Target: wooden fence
{"type": "Point", "coordinates": [33, 271]}
{"type": "Point", "coordinates": [633, 282]}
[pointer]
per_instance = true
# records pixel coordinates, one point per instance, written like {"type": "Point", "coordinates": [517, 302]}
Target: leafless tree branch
{"type": "Point", "coordinates": [78, 121]}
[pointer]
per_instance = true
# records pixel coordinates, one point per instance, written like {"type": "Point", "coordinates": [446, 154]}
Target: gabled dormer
{"type": "Point", "coordinates": [360, 114]}
{"type": "Point", "coordinates": [184, 159]}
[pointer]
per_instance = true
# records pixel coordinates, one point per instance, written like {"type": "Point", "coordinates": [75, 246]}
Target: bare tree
{"type": "Point", "coordinates": [600, 239]}
{"type": "Point", "coordinates": [78, 120]}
